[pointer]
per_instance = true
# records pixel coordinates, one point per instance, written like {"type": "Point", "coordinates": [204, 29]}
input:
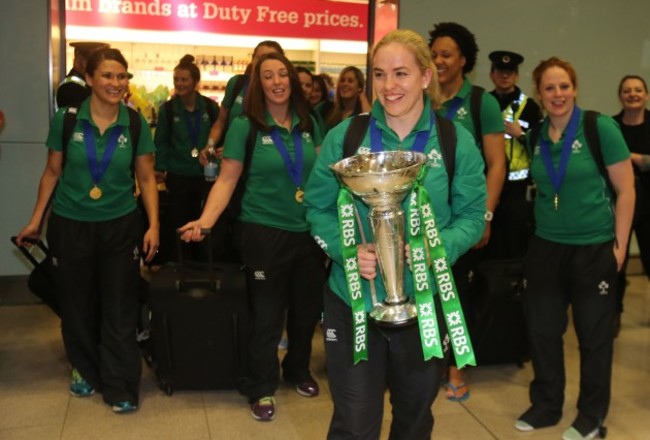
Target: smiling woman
{"type": "Point", "coordinates": [274, 147]}
{"type": "Point", "coordinates": [396, 359]}
{"type": "Point", "coordinates": [96, 233]}
{"type": "Point", "coordinates": [580, 242]}
{"type": "Point", "coordinates": [350, 98]}
{"type": "Point", "coordinates": [183, 127]}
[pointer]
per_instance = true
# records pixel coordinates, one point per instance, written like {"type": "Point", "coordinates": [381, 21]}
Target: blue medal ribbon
{"type": "Point", "coordinates": [419, 144]}
{"type": "Point", "coordinates": [557, 176]}
{"type": "Point", "coordinates": [294, 167]}
{"type": "Point", "coordinates": [193, 128]}
{"type": "Point", "coordinates": [454, 105]}
{"type": "Point", "coordinates": [97, 170]}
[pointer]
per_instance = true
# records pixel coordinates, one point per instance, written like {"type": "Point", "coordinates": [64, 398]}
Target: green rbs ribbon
{"type": "Point", "coordinates": [444, 279]}
{"type": "Point", "coordinates": [345, 208]}
{"type": "Point", "coordinates": [427, 321]}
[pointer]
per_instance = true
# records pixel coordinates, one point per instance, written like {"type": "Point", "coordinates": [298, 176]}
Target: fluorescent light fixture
{"type": "Point", "coordinates": [189, 38]}
{"type": "Point", "coordinates": [344, 46]}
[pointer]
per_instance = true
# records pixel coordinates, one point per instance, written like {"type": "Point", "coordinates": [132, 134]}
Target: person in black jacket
{"type": "Point", "coordinates": [512, 226]}
{"type": "Point", "coordinates": [73, 89]}
{"type": "Point", "coordinates": [634, 120]}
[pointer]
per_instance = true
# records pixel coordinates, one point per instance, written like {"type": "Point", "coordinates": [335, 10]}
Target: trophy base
{"type": "Point", "coordinates": [394, 315]}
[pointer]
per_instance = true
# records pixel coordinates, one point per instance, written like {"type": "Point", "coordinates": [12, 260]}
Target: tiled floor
{"type": "Point", "coordinates": [35, 404]}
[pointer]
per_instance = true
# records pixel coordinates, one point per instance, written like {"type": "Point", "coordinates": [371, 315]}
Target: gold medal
{"type": "Point", "coordinates": [556, 202]}
{"type": "Point", "coordinates": [300, 195]}
{"type": "Point", "coordinates": [95, 193]}
{"type": "Point", "coordinates": [195, 152]}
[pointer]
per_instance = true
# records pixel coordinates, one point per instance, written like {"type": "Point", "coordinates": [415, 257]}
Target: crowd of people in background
{"type": "Point", "coordinates": [529, 183]}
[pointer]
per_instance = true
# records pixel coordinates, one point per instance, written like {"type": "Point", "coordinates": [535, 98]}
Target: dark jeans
{"type": "Point", "coordinates": [98, 271]}
{"type": "Point", "coordinates": [285, 272]}
{"type": "Point", "coordinates": [585, 277]}
{"type": "Point", "coordinates": [395, 362]}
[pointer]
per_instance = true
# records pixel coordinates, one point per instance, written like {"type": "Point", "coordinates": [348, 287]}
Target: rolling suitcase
{"type": "Point", "coordinates": [499, 334]}
{"type": "Point", "coordinates": [41, 280]}
{"type": "Point", "coordinates": [199, 325]}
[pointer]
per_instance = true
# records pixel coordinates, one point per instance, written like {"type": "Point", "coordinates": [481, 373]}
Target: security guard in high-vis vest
{"type": "Point", "coordinates": [73, 89]}
{"type": "Point", "coordinates": [513, 221]}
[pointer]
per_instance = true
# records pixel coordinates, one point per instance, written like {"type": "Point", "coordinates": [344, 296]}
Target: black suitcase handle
{"type": "Point", "coordinates": [183, 282]}
{"type": "Point", "coordinates": [27, 251]}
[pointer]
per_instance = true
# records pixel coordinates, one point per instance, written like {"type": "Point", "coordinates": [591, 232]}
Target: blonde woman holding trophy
{"type": "Point", "coordinates": [383, 321]}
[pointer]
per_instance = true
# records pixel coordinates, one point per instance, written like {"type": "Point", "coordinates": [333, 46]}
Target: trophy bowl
{"type": "Point", "coordinates": [382, 180]}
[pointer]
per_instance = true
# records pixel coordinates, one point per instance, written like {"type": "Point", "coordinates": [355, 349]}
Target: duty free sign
{"type": "Point", "coordinates": [282, 18]}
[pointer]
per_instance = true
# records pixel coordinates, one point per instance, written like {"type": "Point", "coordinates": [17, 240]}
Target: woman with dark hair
{"type": "Point", "coordinates": [350, 98]}
{"type": "Point", "coordinates": [454, 51]}
{"type": "Point", "coordinates": [233, 102]}
{"type": "Point", "coordinates": [306, 80]}
{"type": "Point", "coordinates": [285, 268]}
{"type": "Point", "coordinates": [319, 98]}
{"type": "Point", "coordinates": [581, 236]}
{"type": "Point", "coordinates": [634, 121]}
{"type": "Point", "coordinates": [95, 233]}
{"type": "Point", "coordinates": [183, 126]}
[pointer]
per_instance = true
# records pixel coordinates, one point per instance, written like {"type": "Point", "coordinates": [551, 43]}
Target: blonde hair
{"type": "Point", "coordinates": [420, 50]}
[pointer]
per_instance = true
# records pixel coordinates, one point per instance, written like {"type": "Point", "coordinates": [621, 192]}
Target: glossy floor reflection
{"type": "Point", "coordinates": [35, 404]}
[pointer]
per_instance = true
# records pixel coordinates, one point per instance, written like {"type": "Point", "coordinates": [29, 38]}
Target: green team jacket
{"type": "Point", "coordinates": [585, 214]}
{"type": "Point", "coordinates": [174, 149]}
{"type": "Point", "coordinates": [72, 199]}
{"type": "Point", "coordinates": [461, 224]}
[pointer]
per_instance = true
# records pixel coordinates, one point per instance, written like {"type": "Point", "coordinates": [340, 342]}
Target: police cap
{"type": "Point", "coordinates": [85, 48]}
{"type": "Point", "coordinates": [506, 60]}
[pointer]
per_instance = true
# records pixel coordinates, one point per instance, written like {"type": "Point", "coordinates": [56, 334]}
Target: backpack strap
{"type": "Point", "coordinates": [354, 134]}
{"type": "Point", "coordinates": [69, 123]}
{"type": "Point", "coordinates": [169, 114]}
{"type": "Point", "coordinates": [212, 108]}
{"type": "Point", "coordinates": [240, 82]}
{"type": "Point", "coordinates": [135, 129]}
{"type": "Point", "coordinates": [448, 140]}
{"type": "Point", "coordinates": [475, 101]}
{"type": "Point", "coordinates": [593, 141]}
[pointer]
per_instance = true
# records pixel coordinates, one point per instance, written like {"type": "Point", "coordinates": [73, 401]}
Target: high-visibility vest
{"type": "Point", "coordinates": [518, 159]}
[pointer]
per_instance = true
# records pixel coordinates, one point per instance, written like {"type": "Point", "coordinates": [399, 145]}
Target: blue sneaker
{"type": "Point", "coordinates": [79, 387]}
{"type": "Point", "coordinates": [124, 407]}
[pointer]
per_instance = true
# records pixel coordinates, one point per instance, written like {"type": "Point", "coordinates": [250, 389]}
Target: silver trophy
{"type": "Point", "coordinates": [382, 181]}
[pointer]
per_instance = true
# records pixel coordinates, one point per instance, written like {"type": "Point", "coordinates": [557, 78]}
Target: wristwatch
{"type": "Point", "coordinates": [489, 215]}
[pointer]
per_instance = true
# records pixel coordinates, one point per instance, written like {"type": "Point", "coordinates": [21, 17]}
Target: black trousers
{"type": "Point", "coordinates": [557, 275]}
{"type": "Point", "coordinates": [395, 362]}
{"type": "Point", "coordinates": [98, 266]}
{"type": "Point", "coordinates": [513, 223]}
{"type": "Point", "coordinates": [641, 227]}
{"type": "Point", "coordinates": [285, 272]}
{"type": "Point", "coordinates": [186, 196]}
